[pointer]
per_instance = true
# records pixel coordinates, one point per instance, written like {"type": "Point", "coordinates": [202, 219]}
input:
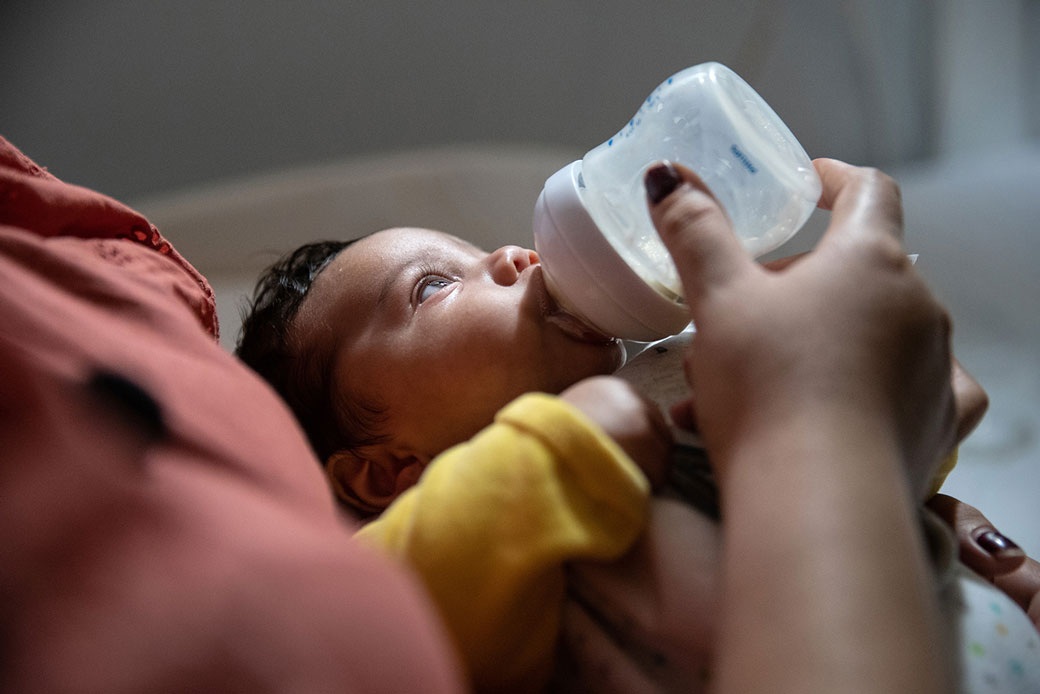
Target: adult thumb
{"type": "Point", "coordinates": [695, 229]}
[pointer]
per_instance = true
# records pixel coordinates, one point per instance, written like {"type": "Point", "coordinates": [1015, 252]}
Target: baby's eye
{"type": "Point", "coordinates": [430, 285]}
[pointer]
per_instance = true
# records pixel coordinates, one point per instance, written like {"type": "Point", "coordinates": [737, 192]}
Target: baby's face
{"type": "Point", "coordinates": [442, 334]}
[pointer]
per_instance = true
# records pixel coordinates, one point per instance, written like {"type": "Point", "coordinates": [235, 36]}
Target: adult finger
{"type": "Point", "coordinates": [1023, 586]}
{"type": "Point", "coordinates": [695, 230]}
{"type": "Point", "coordinates": [861, 200]}
{"type": "Point", "coordinates": [983, 548]}
{"type": "Point", "coordinates": [970, 400]}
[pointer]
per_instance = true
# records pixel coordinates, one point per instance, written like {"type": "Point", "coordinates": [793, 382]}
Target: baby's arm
{"type": "Point", "coordinates": [631, 420]}
{"type": "Point", "coordinates": [493, 520]}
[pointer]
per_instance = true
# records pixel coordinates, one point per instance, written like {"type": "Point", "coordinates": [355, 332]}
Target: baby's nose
{"type": "Point", "coordinates": [509, 261]}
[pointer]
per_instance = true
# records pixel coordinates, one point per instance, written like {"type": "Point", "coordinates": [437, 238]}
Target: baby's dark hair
{"type": "Point", "coordinates": [268, 344]}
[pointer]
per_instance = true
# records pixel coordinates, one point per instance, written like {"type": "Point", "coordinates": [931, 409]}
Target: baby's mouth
{"type": "Point", "coordinates": [568, 323]}
{"type": "Point", "coordinates": [576, 328]}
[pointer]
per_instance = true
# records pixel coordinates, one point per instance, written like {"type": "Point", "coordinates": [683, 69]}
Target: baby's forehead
{"type": "Point", "coordinates": [401, 240]}
{"type": "Point", "coordinates": [373, 261]}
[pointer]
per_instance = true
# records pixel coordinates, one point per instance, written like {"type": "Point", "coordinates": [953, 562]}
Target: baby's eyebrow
{"type": "Point", "coordinates": [391, 278]}
{"type": "Point", "coordinates": [468, 245]}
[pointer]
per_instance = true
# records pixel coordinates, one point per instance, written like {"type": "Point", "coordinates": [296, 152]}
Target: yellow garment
{"type": "Point", "coordinates": [492, 521]}
{"type": "Point", "coordinates": [942, 473]}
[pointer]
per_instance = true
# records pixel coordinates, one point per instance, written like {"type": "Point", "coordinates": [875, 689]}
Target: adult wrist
{"type": "Point", "coordinates": [829, 436]}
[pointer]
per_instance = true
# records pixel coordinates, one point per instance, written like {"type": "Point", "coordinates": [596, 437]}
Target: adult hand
{"type": "Point", "coordinates": [970, 400]}
{"type": "Point", "coordinates": [879, 341]}
{"type": "Point", "coordinates": [819, 385]}
{"type": "Point", "coordinates": [990, 554]}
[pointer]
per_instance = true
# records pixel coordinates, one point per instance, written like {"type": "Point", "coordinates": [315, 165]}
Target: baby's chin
{"type": "Point", "coordinates": [573, 328]}
{"type": "Point", "coordinates": [577, 329]}
{"type": "Point", "coordinates": [591, 355]}
{"type": "Point", "coordinates": [571, 325]}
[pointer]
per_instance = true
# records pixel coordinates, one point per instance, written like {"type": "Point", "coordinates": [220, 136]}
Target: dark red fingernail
{"type": "Point", "coordinates": [996, 544]}
{"type": "Point", "coordinates": [661, 180]}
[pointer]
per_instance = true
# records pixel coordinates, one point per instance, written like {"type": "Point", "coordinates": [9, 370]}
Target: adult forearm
{"type": "Point", "coordinates": [821, 390]}
{"type": "Point", "coordinates": [826, 585]}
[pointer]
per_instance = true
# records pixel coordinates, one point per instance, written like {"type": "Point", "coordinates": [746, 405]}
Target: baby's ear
{"type": "Point", "coordinates": [369, 480]}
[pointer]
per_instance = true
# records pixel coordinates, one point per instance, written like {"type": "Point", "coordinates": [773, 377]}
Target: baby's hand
{"type": "Point", "coordinates": [633, 421]}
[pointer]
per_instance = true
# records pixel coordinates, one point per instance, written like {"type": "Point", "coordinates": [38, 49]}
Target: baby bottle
{"type": "Point", "coordinates": [601, 257]}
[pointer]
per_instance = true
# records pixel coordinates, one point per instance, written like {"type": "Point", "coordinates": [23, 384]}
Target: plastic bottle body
{"type": "Point", "coordinates": [708, 119]}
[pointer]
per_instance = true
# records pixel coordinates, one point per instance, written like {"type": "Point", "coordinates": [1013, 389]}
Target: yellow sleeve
{"type": "Point", "coordinates": [942, 473]}
{"type": "Point", "coordinates": [492, 521]}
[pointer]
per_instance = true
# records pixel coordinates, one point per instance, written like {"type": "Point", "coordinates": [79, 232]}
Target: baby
{"type": "Point", "coordinates": [408, 343]}
{"type": "Point", "coordinates": [412, 353]}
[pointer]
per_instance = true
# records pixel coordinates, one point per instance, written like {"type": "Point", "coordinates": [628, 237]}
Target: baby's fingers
{"type": "Point", "coordinates": [684, 415]}
{"type": "Point", "coordinates": [695, 230]}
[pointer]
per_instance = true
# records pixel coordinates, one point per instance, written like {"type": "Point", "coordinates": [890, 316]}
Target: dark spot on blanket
{"type": "Point", "coordinates": [130, 401]}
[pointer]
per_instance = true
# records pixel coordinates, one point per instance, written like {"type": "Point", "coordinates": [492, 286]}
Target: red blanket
{"type": "Point", "coordinates": [164, 524]}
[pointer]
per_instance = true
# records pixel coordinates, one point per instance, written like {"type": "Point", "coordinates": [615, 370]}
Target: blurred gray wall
{"type": "Point", "coordinates": [136, 98]}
